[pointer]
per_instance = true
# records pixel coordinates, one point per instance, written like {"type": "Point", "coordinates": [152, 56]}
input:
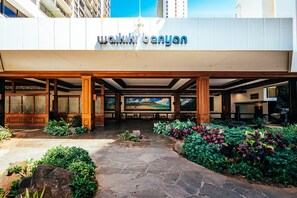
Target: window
{"type": "Point", "coordinates": [272, 92]}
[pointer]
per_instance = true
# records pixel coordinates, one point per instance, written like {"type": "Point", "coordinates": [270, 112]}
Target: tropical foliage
{"type": "Point", "coordinates": [268, 155]}
{"type": "Point", "coordinates": [5, 133]}
{"type": "Point", "coordinates": [61, 128]}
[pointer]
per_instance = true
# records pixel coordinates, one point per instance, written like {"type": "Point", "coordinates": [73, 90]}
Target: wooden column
{"type": "Point", "coordinates": [13, 87]}
{"type": "Point", "coordinates": [202, 95]}
{"type": "Point", "coordinates": [293, 100]}
{"type": "Point", "coordinates": [56, 101]}
{"type": "Point", "coordinates": [88, 110]}
{"type": "Point", "coordinates": [176, 105]}
{"type": "Point", "coordinates": [2, 102]}
{"type": "Point", "coordinates": [226, 105]}
{"type": "Point", "coordinates": [47, 100]}
{"type": "Point", "coordinates": [117, 106]}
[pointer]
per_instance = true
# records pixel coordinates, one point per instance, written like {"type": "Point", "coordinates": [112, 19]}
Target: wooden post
{"type": "Point", "coordinates": [117, 106]}
{"type": "Point", "coordinates": [56, 101]}
{"type": "Point", "coordinates": [202, 95]}
{"type": "Point", "coordinates": [176, 105]}
{"type": "Point", "coordinates": [2, 102]}
{"type": "Point", "coordinates": [293, 101]}
{"type": "Point", "coordinates": [47, 100]}
{"type": "Point", "coordinates": [226, 105]}
{"type": "Point", "coordinates": [88, 114]}
{"type": "Point", "coordinates": [13, 87]}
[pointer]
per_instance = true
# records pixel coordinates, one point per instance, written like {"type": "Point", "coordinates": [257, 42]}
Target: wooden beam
{"type": "Point", "coordinates": [47, 98]}
{"type": "Point", "coordinates": [173, 82]}
{"type": "Point", "coordinates": [13, 86]}
{"type": "Point", "coordinates": [293, 101]}
{"type": "Point", "coordinates": [257, 84]}
{"type": "Point", "coordinates": [120, 82]}
{"type": "Point", "coordinates": [202, 99]}
{"type": "Point", "coordinates": [106, 84]}
{"type": "Point", "coordinates": [176, 105]}
{"type": "Point", "coordinates": [147, 74]}
{"type": "Point", "coordinates": [226, 105]}
{"type": "Point", "coordinates": [56, 101]}
{"type": "Point", "coordinates": [2, 102]}
{"type": "Point", "coordinates": [88, 110]}
{"type": "Point", "coordinates": [188, 84]}
{"type": "Point", "coordinates": [117, 106]}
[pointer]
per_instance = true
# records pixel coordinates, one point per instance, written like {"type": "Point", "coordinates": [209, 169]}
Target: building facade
{"type": "Point", "coordinates": [172, 8]}
{"type": "Point", "coordinates": [57, 8]}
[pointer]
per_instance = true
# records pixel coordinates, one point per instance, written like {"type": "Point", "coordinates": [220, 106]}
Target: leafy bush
{"type": "Point", "coordinates": [63, 157]}
{"type": "Point", "coordinates": [78, 161]}
{"type": "Point", "coordinates": [5, 133]}
{"type": "Point", "coordinates": [2, 193]}
{"type": "Point", "coordinates": [14, 170]}
{"type": "Point", "coordinates": [14, 189]}
{"type": "Point", "coordinates": [163, 128]}
{"type": "Point", "coordinates": [199, 151]}
{"type": "Point", "coordinates": [176, 129]}
{"type": "Point", "coordinates": [57, 128]}
{"type": "Point", "coordinates": [245, 169]}
{"type": "Point", "coordinates": [283, 167]}
{"type": "Point", "coordinates": [80, 130]}
{"type": "Point", "coordinates": [83, 188]}
{"type": "Point", "coordinates": [127, 135]}
{"type": "Point", "coordinates": [76, 121]}
{"type": "Point", "coordinates": [259, 122]}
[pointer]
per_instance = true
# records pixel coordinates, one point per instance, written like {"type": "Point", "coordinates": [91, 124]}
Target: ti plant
{"type": "Point", "coordinates": [253, 149]}
{"type": "Point", "coordinates": [35, 194]}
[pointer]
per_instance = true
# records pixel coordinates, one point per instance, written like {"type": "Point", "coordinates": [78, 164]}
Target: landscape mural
{"type": "Point", "coordinates": [188, 104]}
{"type": "Point", "coordinates": [147, 103]}
{"type": "Point", "coordinates": [109, 103]}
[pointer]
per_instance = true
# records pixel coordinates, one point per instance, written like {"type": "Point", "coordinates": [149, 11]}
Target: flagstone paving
{"type": "Point", "coordinates": [149, 168]}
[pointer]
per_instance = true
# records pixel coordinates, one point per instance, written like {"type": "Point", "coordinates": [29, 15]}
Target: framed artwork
{"type": "Point", "coordinates": [188, 104]}
{"type": "Point", "coordinates": [147, 103]}
{"type": "Point", "coordinates": [109, 103]}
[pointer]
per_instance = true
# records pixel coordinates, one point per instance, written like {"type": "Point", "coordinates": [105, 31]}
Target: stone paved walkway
{"type": "Point", "coordinates": [152, 169]}
{"type": "Point", "coordinates": [149, 168]}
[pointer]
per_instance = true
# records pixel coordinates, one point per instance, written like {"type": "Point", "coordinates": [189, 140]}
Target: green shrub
{"type": "Point", "coordinates": [77, 160]}
{"type": "Point", "coordinates": [82, 169]}
{"type": "Point", "coordinates": [2, 193]}
{"type": "Point", "coordinates": [80, 130]}
{"type": "Point", "coordinates": [199, 151]}
{"type": "Point", "coordinates": [57, 128]}
{"type": "Point", "coordinates": [163, 128]}
{"type": "Point", "coordinates": [245, 169]}
{"type": "Point", "coordinates": [5, 133]}
{"type": "Point", "coordinates": [127, 135]}
{"type": "Point", "coordinates": [14, 170]}
{"type": "Point", "coordinates": [283, 167]}
{"type": "Point", "coordinates": [76, 121]}
{"type": "Point", "coordinates": [14, 189]}
{"type": "Point", "coordinates": [64, 156]}
{"type": "Point", "coordinates": [83, 188]}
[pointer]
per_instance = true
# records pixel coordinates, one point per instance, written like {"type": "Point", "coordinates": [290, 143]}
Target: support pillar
{"type": "Point", "coordinates": [293, 100]}
{"type": "Point", "coordinates": [226, 105]}
{"type": "Point", "coordinates": [202, 99]}
{"type": "Point", "coordinates": [2, 102]}
{"type": "Point", "coordinates": [13, 87]}
{"type": "Point", "coordinates": [47, 100]}
{"type": "Point", "coordinates": [176, 105]}
{"type": "Point", "coordinates": [88, 110]}
{"type": "Point", "coordinates": [118, 106]}
{"type": "Point", "coordinates": [56, 101]}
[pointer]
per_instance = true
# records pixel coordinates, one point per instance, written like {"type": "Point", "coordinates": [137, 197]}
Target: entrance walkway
{"type": "Point", "coordinates": [149, 168]}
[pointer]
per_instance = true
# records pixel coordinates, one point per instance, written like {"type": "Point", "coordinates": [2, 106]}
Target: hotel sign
{"type": "Point", "coordinates": [166, 40]}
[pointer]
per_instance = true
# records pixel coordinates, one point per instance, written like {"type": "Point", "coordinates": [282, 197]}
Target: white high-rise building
{"type": "Point", "coordinates": [265, 8]}
{"type": "Point", "coordinates": [172, 8]}
{"type": "Point", "coordinates": [55, 8]}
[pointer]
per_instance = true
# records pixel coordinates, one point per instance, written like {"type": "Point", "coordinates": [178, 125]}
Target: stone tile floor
{"type": "Point", "coordinates": [149, 168]}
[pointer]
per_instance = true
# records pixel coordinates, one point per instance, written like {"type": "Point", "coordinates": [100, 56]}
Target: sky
{"type": "Point", "coordinates": [196, 8]}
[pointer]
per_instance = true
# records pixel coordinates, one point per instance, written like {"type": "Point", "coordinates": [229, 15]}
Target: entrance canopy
{"type": "Point", "coordinates": [146, 44]}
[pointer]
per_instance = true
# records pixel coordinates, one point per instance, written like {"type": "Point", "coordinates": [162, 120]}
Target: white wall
{"type": "Point", "coordinates": [203, 33]}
